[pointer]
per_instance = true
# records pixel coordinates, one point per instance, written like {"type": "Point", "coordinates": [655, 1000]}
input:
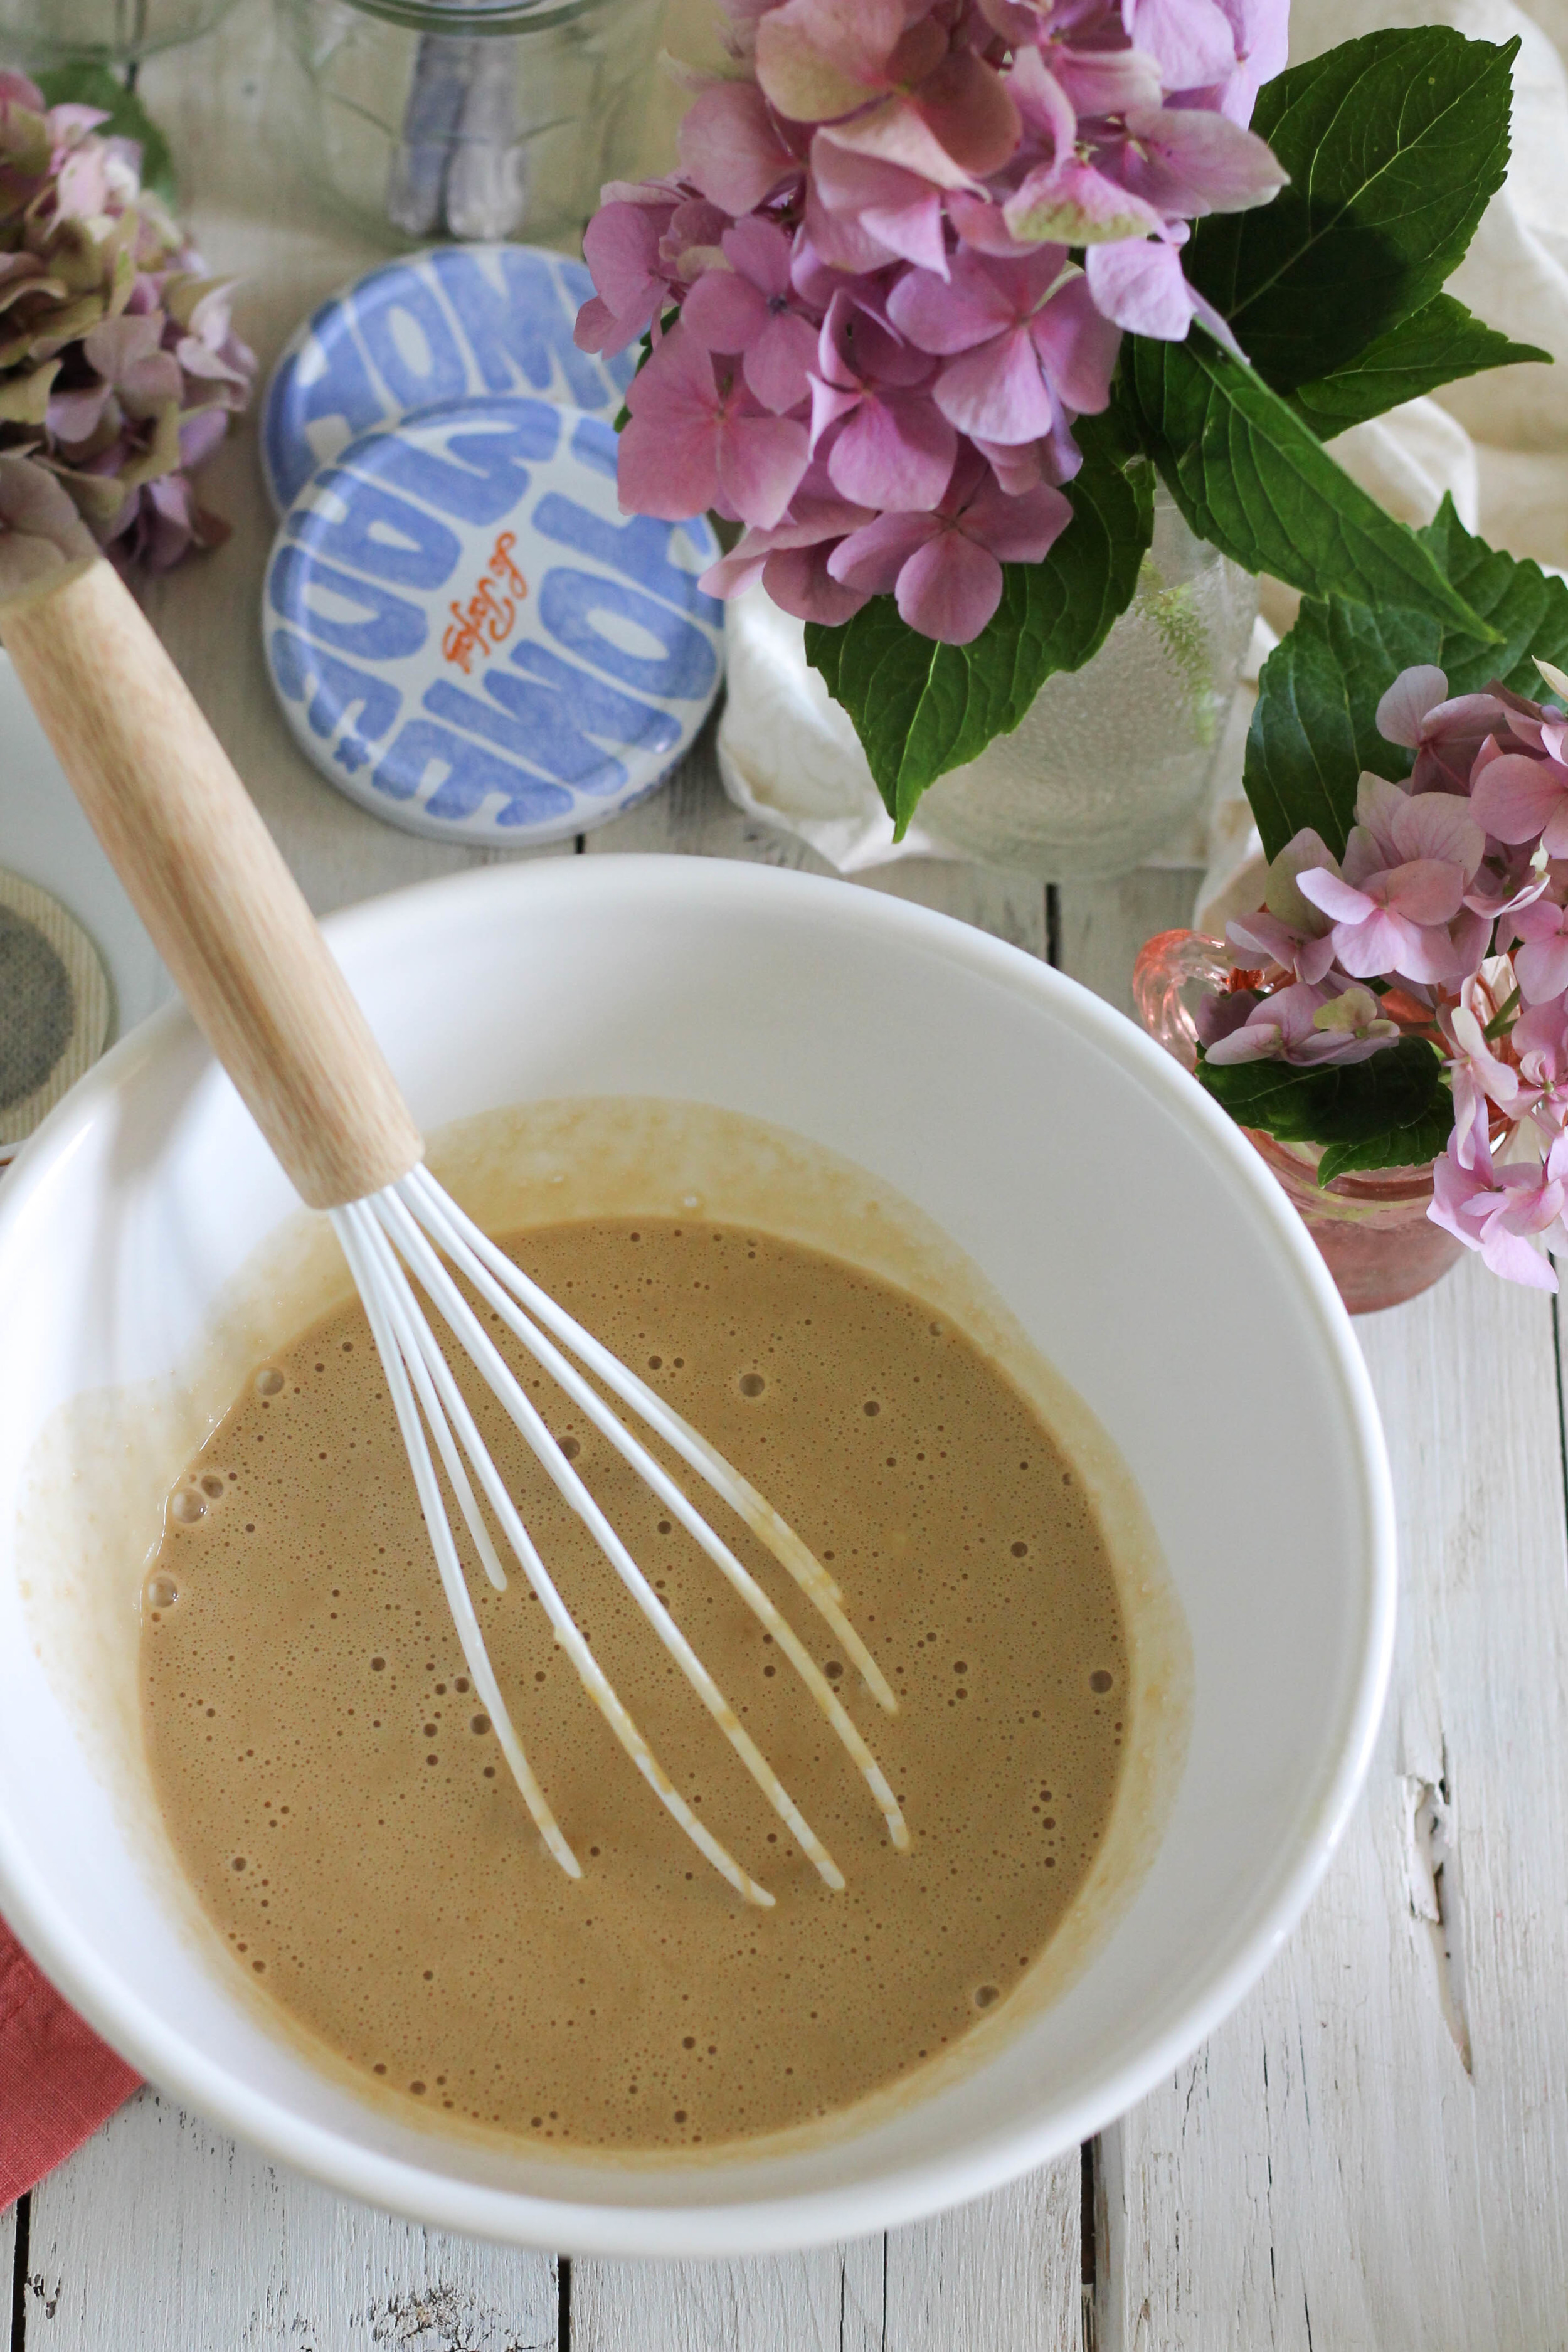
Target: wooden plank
{"type": "Point", "coordinates": [1000, 2275]}
{"type": "Point", "coordinates": [830, 2301]}
{"type": "Point", "coordinates": [1369, 2155]}
{"type": "Point", "coordinates": [162, 2232]}
{"type": "Point", "coordinates": [1101, 926]}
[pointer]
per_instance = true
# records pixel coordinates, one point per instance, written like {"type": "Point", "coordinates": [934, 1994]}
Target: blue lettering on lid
{"type": "Point", "coordinates": [596, 618]}
{"type": "Point", "coordinates": [467, 775]}
{"type": "Point", "coordinates": [481, 474]}
{"type": "Point", "coordinates": [409, 338]}
{"type": "Point", "coordinates": [519, 332]}
{"type": "Point", "coordinates": [349, 520]}
{"type": "Point", "coordinates": [336, 697]}
{"type": "Point", "coordinates": [356, 616]}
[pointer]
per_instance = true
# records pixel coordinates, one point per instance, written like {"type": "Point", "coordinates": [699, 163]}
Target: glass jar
{"type": "Point", "coordinates": [480, 118]}
{"type": "Point", "coordinates": [1112, 760]}
{"type": "Point", "coordinates": [1372, 1228]}
{"type": "Point", "coordinates": [44, 33]}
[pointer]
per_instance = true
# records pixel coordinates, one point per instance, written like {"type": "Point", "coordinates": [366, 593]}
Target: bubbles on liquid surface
{"type": "Point", "coordinates": [268, 1382]}
{"type": "Point", "coordinates": [162, 1591]}
{"type": "Point", "coordinates": [187, 1506]}
{"type": "Point", "coordinates": [752, 1384]}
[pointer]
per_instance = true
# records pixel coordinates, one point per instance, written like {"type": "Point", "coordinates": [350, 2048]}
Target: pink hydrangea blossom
{"type": "Point", "coordinates": [1405, 868]}
{"type": "Point", "coordinates": [697, 438]}
{"type": "Point", "coordinates": [1022, 340]}
{"type": "Point", "coordinates": [1333, 1022]}
{"type": "Point", "coordinates": [944, 567]}
{"type": "Point", "coordinates": [1511, 1213]}
{"type": "Point", "coordinates": [901, 180]}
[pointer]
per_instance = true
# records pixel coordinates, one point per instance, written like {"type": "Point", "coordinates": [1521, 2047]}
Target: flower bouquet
{"type": "Point", "coordinates": [941, 287]}
{"type": "Point", "coordinates": [1400, 1000]}
{"type": "Point", "coordinates": [119, 367]}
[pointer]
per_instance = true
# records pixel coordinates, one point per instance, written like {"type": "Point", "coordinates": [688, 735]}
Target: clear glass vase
{"type": "Point", "coordinates": [44, 33]}
{"type": "Point", "coordinates": [1112, 760]}
{"type": "Point", "coordinates": [474, 119]}
{"type": "Point", "coordinates": [1371, 1229]}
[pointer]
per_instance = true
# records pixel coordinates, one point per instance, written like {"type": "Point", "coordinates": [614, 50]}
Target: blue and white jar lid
{"type": "Point", "coordinates": [469, 638]}
{"type": "Point", "coordinates": [459, 321]}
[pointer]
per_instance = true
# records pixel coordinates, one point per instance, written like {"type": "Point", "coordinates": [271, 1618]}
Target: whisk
{"type": "Point", "coordinates": [233, 927]}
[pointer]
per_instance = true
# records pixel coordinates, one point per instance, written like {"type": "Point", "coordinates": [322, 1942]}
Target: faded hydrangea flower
{"type": "Point", "coordinates": [118, 364]}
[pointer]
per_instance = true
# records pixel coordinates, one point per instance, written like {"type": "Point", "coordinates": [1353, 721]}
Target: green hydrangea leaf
{"type": "Point", "coordinates": [84, 83]}
{"type": "Point", "coordinates": [1442, 343]}
{"type": "Point", "coordinates": [1315, 729]}
{"type": "Point", "coordinates": [1526, 606]}
{"type": "Point", "coordinates": [1395, 143]}
{"type": "Point", "coordinates": [920, 709]}
{"type": "Point", "coordinates": [1395, 1147]}
{"type": "Point", "coordinates": [1252, 478]}
{"type": "Point", "coordinates": [1393, 1111]}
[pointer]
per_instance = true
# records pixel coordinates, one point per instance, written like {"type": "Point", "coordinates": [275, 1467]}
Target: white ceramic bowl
{"type": "Point", "coordinates": [1132, 1231]}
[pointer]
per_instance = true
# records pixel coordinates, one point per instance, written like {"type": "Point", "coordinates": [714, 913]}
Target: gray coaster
{"type": "Point", "coordinates": [54, 1006]}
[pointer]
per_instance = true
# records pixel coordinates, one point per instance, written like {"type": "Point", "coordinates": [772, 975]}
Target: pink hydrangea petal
{"type": "Point", "coordinates": [1332, 897]}
{"type": "Point", "coordinates": [911, 230]}
{"type": "Point", "coordinates": [973, 305]}
{"type": "Point", "coordinates": [839, 238]}
{"type": "Point", "coordinates": [797, 580]}
{"type": "Point", "coordinates": [1021, 529]}
{"type": "Point", "coordinates": [1015, 469]}
{"type": "Point", "coordinates": [872, 558]}
{"type": "Point", "coordinates": [1542, 969]}
{"type": "Point", "coordinates": [1426, 890]}
{"type": "Point", "coordinates": [598, 328]}
{"type": "Point", "coordinates": [1369, 948]}
{"type": "Point", "coordinates": [724, 313]}
{"type": "Point", "coordinates": [730, 148]}
{"type": "Point", "coordinates": [1254, 1041]}
{"type": "Point", "coordinates": [1139, 284]}
{"type": "Point", "coordinates": [896, 132]}
{"type": "Point", "coordinates": [979, 222]}
{"type": "Point", "coordinates": [968, 108]}
{"type": "Point", "coordinates": [1106, 81]}
{"type": "Point", "coordinates": [758, 250]}
{"type": "Point", "coordinates": [677, 384]}
{"type": "Point", "coordinates": [949, 589]}
{"type": "Point", "coordinates": [896, 452]}
{"type": "Point", "coordinates": [1439, 825]}
{"type": "Point", "coordinates": [818, 58]}
{"type": "Point", "coordinates": [829, 402]}
{"type": "Point", "coordinates": [1511, 1256]}
{"type": "Point", "coordinates": [996, 390]}
{"type": "Point", "coordinates": [1191, 39]}
{"type": "Point", "coordinates": [1070, 203]}
{"type": "Point", "coordinates": [1190, 161]}
{"type": "Point", "coordinates": [671, 475]}
{"type": "Point", "coordinates": [1405, 706]}
{"type": "Point", "coordinates": [620, 245]}
{"type": "Point", "coordinates": [1515, 796]}
{"type": "Point", "coordinates": [734, 574]}
{"type": "Point", "coordinates": [778, 361]}
{"type": "Point", "coordinates": [761, 460]}
{"type": "Point", "coordinates": [1041, 101]}
{"type": "Point", "coordinates": [1078, 346]}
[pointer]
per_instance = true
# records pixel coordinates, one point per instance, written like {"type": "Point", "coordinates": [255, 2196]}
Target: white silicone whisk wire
{"type": "Point", "coordinates": [409, 1230]}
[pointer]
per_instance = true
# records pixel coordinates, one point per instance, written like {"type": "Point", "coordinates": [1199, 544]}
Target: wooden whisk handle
{"type": "Point", "coordinates": [207, 879]}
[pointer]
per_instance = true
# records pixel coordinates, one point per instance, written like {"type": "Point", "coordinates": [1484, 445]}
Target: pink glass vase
{"type": "Point", "coordinates": [1371, 1229]}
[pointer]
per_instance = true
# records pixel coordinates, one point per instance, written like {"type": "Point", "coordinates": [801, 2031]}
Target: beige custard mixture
{"type": "Point", "coordinates": [341, 1804]}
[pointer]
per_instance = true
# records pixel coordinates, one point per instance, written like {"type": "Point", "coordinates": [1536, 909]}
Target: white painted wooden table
{"type": "Point", "coordinates": [1371, 2156]}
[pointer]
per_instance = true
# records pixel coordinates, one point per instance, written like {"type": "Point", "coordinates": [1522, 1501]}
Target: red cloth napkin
{"type": "Point", "coordinates": [58, 2079]}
